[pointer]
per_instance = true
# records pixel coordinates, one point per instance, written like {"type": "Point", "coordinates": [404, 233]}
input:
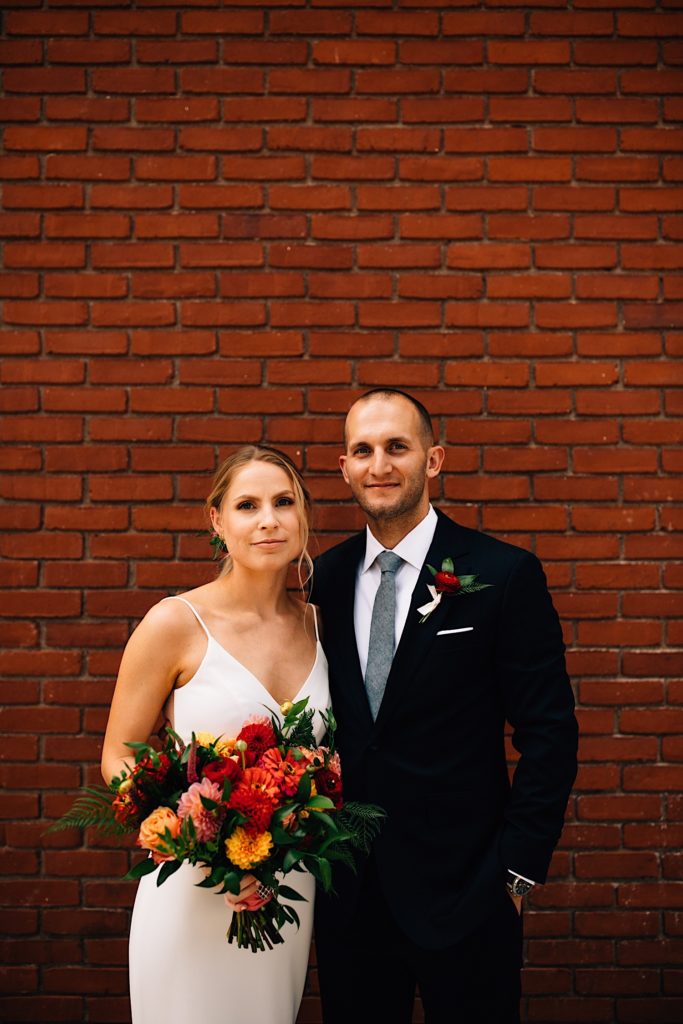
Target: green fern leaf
{"type": "Point", "coordinates": [92, 808]}
{"type": "Point", "coordinates": [362, 822]}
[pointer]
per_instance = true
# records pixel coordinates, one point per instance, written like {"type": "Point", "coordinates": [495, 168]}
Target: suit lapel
{"type": "Point", "coordinates": [449, 541]}
{"type": "Point", "coordinates": [346, 649]}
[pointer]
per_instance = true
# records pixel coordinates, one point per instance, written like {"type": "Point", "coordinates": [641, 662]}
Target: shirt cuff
{"type": "Point", "coordinates": [523, 877]}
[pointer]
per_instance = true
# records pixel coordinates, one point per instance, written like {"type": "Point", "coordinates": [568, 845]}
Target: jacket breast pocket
{"type": "Point", "coordinates": [456, 639]}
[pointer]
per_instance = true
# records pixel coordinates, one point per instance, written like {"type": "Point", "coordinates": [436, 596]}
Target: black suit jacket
{"type": "Point", "coordinates": [434, 759]}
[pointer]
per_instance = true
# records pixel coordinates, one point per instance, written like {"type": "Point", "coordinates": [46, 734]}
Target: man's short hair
{"type": "Point", "coordinates": [426, 428]}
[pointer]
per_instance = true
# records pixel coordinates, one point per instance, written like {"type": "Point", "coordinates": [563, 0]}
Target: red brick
{"type": "Point", "coordinates": [45, 138]}
{"type": "Point", "coordinates": [172, 168]}
{"type": "Point", "coordinates": [142, 23]}
{"type": "Point", "coordinates": [571, 23]}
{"type": "Point", "coordinates": [24, 51]}
{"type": "Point", "coordinates": [485, 140]}
{"type": "Point", "coordinates": [97, 52]}
{"type": "Point", "coordinates": [355, 109]}
{"type": "Point", "coordinates": [45, 254]}
{"type": "Point", "coordinates": [46, 80]}
{"type": "Point", "coordinates": [658, 81]}
{"type": "Point", "coordinates": [132, 139]}
{"type": "Point", "coordinates": [348, 51]}
{"type": "Point", "coordinates": [20, 108]}
{"type": "Point", "coordinates": [596, 168]}
{"type": "Point", "coordinates": [185, 51]}
{"type": "Point", "coordinates": [308, 81]}
{"type": "Point", "coordinates": [487, 80]}
{"type": "Point", "coordinates": [643, 25]}
{"type": "Point", "coordinates": [345, 227]}
{"type": "Point", "coordinates": [224, 22]}
{"type": "Point", "coordinates": [311, 256]}
{"type": "Point", "coordinates": [87, 108]}
{"type": "Point", "coordinates": [19, 168]}
{"type": "Point", "coordinates": [131, 197]}
{"type": "Point", "coordinates": [395, 81]}
{"type": "Point", "coordinates": [133, 81]}
{"type": "Point", "coordinates": [398, 140]}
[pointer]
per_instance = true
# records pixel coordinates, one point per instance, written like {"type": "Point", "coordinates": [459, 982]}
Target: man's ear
{"type": "Point", "coordinates": [342, 466]}
{"type": "Point", "coordinates": [435, 457]}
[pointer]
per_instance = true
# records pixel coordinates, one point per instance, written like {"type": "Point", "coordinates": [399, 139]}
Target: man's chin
{"type": "Point", "coordinates": [382, 509]}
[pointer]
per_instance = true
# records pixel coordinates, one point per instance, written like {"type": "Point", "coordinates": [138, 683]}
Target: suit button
{"type": "Point", "coordinates": [373, 748]}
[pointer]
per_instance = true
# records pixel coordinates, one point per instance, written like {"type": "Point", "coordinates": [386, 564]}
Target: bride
{"type": "Point", "coordinates": [236, 647]}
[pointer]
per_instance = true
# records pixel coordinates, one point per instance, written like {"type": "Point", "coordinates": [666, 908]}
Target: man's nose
{"type": "Point", "coordinates": [380, 463]}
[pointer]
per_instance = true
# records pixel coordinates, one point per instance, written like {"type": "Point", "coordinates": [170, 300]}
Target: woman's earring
{"type": "Point", "coordinates": [218, 544]}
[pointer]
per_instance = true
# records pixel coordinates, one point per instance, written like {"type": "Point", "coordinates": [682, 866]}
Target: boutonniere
{"type": "Point", "coordinates": [446, 582]}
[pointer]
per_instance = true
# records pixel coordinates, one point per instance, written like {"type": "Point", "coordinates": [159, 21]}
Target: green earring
{"type": "Point", "coordinates": [218, 544]}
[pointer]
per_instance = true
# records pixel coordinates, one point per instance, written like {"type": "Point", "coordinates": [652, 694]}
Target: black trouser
{"type": "Point", "coordinates": [369, 970]}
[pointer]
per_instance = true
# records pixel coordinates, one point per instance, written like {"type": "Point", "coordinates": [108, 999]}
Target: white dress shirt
{"type": "Point", "coordinates": [413, 550]}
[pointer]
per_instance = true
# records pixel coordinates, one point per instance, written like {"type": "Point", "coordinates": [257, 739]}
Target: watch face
{"type": "Point", "coordinates": [520, 887]}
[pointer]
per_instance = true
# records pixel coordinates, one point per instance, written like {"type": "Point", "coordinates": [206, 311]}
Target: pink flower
{"type": "Point", "coordinates": [206, 822]}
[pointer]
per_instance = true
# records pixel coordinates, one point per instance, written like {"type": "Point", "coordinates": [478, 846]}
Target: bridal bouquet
{"type": "Point", "coordinates": [265, 803]}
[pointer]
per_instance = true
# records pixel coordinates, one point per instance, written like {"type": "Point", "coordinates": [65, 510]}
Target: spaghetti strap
{"type": "Point", "coordinates": [177, 597]}
{"type": "Point", "coordinates": [315, 619]}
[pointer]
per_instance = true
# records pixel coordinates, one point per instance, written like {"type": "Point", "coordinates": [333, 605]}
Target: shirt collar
{"type": "Point", "coordinates": [412, 549]}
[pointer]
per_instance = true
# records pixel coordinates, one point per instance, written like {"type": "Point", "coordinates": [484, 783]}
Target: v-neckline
{"type": "Point", "coordinates": [211, 638]}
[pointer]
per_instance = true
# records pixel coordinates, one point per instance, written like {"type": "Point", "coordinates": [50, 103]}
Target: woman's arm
{"type": "Point", "coordinates": [151, 663]}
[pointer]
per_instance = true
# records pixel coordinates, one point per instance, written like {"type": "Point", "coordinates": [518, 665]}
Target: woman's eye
{"type": "Point", "coordinates": [285, 501]}
{"type": "Point", "coordinates": [246, 505]}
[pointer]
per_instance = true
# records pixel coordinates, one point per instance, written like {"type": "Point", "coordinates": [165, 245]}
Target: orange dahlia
{"type": "Point", "coordinates": [245, 850]}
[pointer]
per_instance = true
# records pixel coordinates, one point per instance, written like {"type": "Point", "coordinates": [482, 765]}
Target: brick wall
{"type": "Point", "coordinates": [222, 222]}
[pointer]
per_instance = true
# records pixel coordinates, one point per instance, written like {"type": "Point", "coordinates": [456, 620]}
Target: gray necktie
{"type": "Point", "coordinates": [381, 649]}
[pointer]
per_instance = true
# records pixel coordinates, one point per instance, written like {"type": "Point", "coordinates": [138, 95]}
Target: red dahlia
{"type": "Point", "coordinates": [256, 806]}
{"type": "Point", "coordinates": [259, 736]}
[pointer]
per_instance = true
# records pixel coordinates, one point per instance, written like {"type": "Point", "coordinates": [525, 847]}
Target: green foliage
{"type": "Point", "coordinates": [362, 822]}
{"type": "Point", "coordinates": [139, 870]}
{"type": "Point", "coordinates": [92, 807]}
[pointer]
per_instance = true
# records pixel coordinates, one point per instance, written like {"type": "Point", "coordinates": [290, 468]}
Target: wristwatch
{"type": "Point", "coordinates": [518, 886]}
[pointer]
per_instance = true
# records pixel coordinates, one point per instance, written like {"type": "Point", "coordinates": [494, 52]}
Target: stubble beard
{"type": "Point", "coordinates": [404, 508]}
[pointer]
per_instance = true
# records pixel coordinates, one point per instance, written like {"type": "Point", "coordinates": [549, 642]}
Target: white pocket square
{"type": "Point", "coordinates": [463, 629]}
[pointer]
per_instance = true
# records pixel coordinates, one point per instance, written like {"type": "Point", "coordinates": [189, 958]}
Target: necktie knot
{"type": "Point", "coordinates": [388, 561]}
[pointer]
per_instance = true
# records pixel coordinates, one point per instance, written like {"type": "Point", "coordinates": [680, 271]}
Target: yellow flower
{"type": "Point", "coordinates": [204, 739]}
{"type": "Point", "coordinates": [245, 851]}
{"type": "Point", "coordinates": [225, 745]}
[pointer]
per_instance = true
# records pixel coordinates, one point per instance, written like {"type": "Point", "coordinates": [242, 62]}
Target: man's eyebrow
{"type": "Point", "coordinates": [389, 440]}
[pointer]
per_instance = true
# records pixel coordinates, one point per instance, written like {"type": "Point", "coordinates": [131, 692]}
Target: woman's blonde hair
{"type": "Point", "coordinates": [225, 474]}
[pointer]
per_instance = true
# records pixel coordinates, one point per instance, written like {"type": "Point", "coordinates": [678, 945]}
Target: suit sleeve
{"type": "Point", "coordinates": [539, 705]}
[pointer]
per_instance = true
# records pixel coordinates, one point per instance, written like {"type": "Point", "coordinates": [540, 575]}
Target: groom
{"type": "Point", "coordinates": [425, 671]}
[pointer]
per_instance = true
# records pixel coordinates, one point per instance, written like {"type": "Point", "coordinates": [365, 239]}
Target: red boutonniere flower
{"type": "Point", "coordinates": [446, 582]}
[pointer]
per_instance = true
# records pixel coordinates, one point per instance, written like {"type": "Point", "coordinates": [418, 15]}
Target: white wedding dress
{"type": "Point", "coordinates": [181, 965]}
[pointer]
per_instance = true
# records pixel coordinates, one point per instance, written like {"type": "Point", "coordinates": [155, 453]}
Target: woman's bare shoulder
{"type": "Point", "coordinates": [169, 621]}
